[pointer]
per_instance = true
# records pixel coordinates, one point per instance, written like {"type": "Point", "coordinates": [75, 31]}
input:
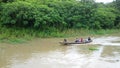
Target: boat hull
{"type": "Point", "coordinates": [69, 43]}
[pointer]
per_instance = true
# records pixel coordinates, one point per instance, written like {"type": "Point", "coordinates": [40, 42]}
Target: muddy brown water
{"type": "Point", "coordinates": [103, 52]}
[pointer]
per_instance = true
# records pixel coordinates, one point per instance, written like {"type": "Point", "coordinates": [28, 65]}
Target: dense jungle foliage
{"type": "Point", "coordinates": [58, 15]}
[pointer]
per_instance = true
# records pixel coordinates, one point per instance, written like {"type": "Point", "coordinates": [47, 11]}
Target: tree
{"type": "Point", "coordinates": [88, 1]}
{"type": "Point", "coordinates": [117, 21]}
{"type": "Point", "coordinates": [118, 4]}
{"type": "Point", "coordinates": [5, 1]}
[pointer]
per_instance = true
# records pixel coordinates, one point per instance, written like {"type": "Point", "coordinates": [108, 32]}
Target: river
{"type": "Point", "coordinates": [103, 52]}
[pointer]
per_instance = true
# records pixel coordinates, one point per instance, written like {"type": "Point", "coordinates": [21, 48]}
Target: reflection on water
{"type": "Point", "coordinates": [48, 53]}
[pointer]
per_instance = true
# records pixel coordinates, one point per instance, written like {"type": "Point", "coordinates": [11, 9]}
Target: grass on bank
{"type": "Point", "coordinates": [23, 35]}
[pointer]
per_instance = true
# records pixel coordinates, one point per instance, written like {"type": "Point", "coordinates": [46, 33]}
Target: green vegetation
{"type": "Point", "coordinates": [27, 19]}
{"type": "Point", "coordinates": [93, 49]}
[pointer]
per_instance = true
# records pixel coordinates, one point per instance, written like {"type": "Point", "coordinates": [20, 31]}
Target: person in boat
{"type": "Point", "coordinates": [77, 40]}
{"type": "Point", "coordinates": [65, 40]}
{"type": "Point", "coordinates": [89, 39]}
{"type": "Point", "coordinates": [81, 39]}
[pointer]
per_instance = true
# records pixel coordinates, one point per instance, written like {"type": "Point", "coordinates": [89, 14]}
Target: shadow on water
{"type": "Point", "coordinates": [48, 53]}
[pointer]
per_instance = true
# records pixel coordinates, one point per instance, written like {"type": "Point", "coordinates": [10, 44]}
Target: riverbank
{"type": "Point", "coordinates": [24, 35]}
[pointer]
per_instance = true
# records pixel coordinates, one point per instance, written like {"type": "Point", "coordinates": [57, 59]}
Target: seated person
{"type": "Point", "coordinates": [77, 40]}
{"type": "Point", "coordinates": [81, 39]}
{"type": "Point", "coordinates": [65, 40]}
{"type": "Point", "coordinates": [89, 39]}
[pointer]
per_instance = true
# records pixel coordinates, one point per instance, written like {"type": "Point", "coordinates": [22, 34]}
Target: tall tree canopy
{"type": "Point", "coordinates": [58, 14]}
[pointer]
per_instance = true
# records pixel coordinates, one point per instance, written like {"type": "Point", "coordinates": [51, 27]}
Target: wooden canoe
{"type": "Point", "coordinates": [69, 43]}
